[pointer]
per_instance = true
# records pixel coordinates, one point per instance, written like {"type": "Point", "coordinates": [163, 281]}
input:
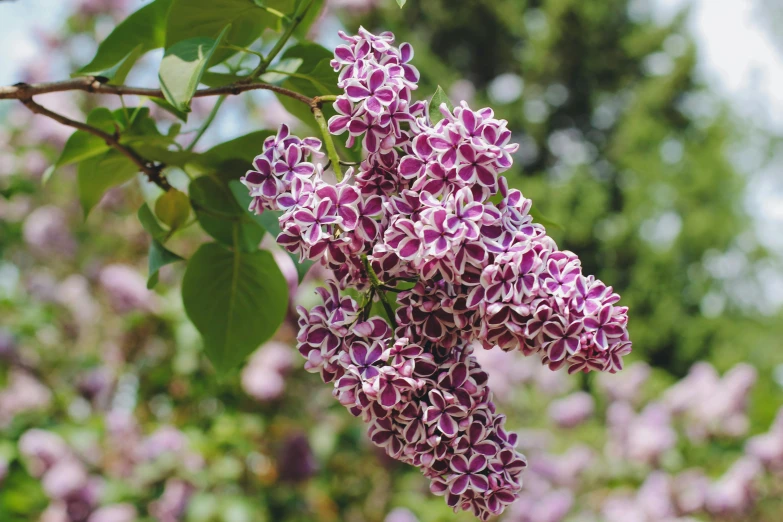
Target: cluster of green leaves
{"type": "Point", "coordinates": [233, 292]}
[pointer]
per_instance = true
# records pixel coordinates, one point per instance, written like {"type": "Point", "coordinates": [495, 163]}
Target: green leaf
{"type": "Point", "coordinates": [150, 223]}
{"type": "Point", "coordinates": [221, 217]}
{"type": "Point", "coordinates": [541, 218]}
{"type": "Point", "coordinates": [117, 74]}
{"type": "Point", "coordinates": [136, 129]}
{"type": "Point", "coordinates": [438, 99]}
{"type": "Point", "coordinates": [159, 257]}
{"type": "Point", "coordinates": [236, 301]}
{"type": "Point", "coordinates": [401, 3]}
{"type": "Point", "coordinates": [282, 69]}
{"type": "Point", "coordinates": [160, 154]}
{"type": "Point", "coordinates": [83, 145]}
{"type": "Point", "coordinates": [173, 208]}
{"type": "Point", "coordinates": [144, 29]}
{"type": "Point", "coordinates": [314, 77]}
{"type": "Point", "coordinates": [98, 174]}
{"type": "Point", "coordinates": [166, 106]}
{"type": "Point", "coordinates": [206, 18]}
{"type": "Point", "coordinates": [244, 148]}
{"type": "Point", "coordinates": [269, 221]}
{"type": "Point", "coordinates": [217, 79]}
{"type": "Point", "coordinates": [320, 77]}
{"type": "Point", "coordinates": [183, 65]}
{"type": "Point", "coordinates": [309, 18]}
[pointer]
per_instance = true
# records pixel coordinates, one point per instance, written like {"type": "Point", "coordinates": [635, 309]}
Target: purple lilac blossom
{"type": "Point", "coordinates": [711, 405]}
{"type": "Point", "coordinates": [114, 513]}
{"type": "Point", "coordinates": [126, 288]}
{"type": "Point", "coordinates": [573, 410]}
{"type": "Point", "coordinates": [263, 378]}
{"type": "Point", "coordinates": [46, 232]}
{"type": "Point", "coordinates": [23, 393]}
{"type": "Point", "coordinates": [429, 204]}
{"type": "Point", "coordinates": [642, 437]}
{"type": "Point", "coordinates": [400, 515]}
{"type": "Point", "coordinates": [768, 447]}
{"type": "Point", "coordinates": [295, 460]}
{"type": "Point", "coordinates": [171, 506]}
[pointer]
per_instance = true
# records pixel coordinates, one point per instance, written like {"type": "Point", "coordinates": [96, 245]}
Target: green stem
{"type": "Point", "coordinates": [378, 288]}
{"type": "Point", "coordinates": [272, 11]}
{"type": "Point", "coordinates": [262, 67]}
{"type": "Point", "coordinates": [243, 50]}
{"type": "Point", "coordinates": [292, 75]}
{"type": "Point", "coordinates": [207, 122]}
{"type": "Point", "coordinates": [331, 151]}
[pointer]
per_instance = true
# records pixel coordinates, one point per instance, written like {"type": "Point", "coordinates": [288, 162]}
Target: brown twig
{"type": "Point", "coordinates": [152, 171]}
{"type": "Point", "coordinates": [24, 92]}
{"type": "Point", "coordinates": [93, 85]}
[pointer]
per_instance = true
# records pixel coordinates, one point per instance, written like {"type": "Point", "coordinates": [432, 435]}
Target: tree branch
{"type": "Point", "coordinates": [152, 171]}
{"type": "Point", "coordinates": [24, 92]}
{"type": "Point", "coordinates": [93, 85]}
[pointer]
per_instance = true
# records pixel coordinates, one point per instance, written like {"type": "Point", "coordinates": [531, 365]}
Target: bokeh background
{"type": "Point", "coordinates": [651, 139]}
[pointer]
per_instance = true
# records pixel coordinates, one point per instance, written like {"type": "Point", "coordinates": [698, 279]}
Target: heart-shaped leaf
{"type": "Point", "coordinates": [236, 300]}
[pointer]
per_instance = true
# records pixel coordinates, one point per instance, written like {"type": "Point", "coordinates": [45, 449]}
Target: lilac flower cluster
{"type": "Point", "coordinates": [75, 478]}
{"type": "Point", "coordinates": [427, 408]}
{"type": "Point", "coordinates": [429, 205]}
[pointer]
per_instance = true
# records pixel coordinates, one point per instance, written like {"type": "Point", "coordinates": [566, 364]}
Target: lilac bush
{"type": "Point", "coordinates": [428, 206]}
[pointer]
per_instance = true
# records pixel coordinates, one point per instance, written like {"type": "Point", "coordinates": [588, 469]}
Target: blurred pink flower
{"type": "Point", "coordinates": [712, 405]}
{"type": "Point", "coordinates": [173, 503]}
{"type": "Point", "coordinates": [96, 7]}
{"type": "Point", "coordinates": [463, 90]}
{"type": "Point", "coordinates": [506, 370]}
{"type": "Point", "coordinates": [651, 503]}
{"type": "Point", "coordinates": [23, 393]}
{"type": "Point", "coordinates": [114, 513]}
{"type": "Point", "coordinates": [55, 512]}
{"type": "Point", "coordinates": [400, 515]}
{"type": "Point", "coordinates": [41, 450]}
{"type": "Point", "coordinates": [627, 384]}
{"type": "Point", "coordinates": [552, 506]}
{"type": "Point", "coordinates": [642, 437]}
{"type": "Point", "coordinates": [126, 288]}
{"type": "Point", "coordinates": [735, 492]}
{"type": "Point", "coordinates": [166, 439]}
{"type": "Point", "coordinates": [74, 294]}
{"type": "Point", "coordinates": [573, 410]}
{"type": "Point", "coordinates": [563, 470]}
{"type": "Point", "coordinates": [264, 375]}
{"type": "Point", "coordinates": [65, 478]}
{"type": "Point", "coordinates": [46, 233]}
{"type": "Point", "coordinates": [768, 447]}
{"type": "Point", "coordinates": [690, 491]}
